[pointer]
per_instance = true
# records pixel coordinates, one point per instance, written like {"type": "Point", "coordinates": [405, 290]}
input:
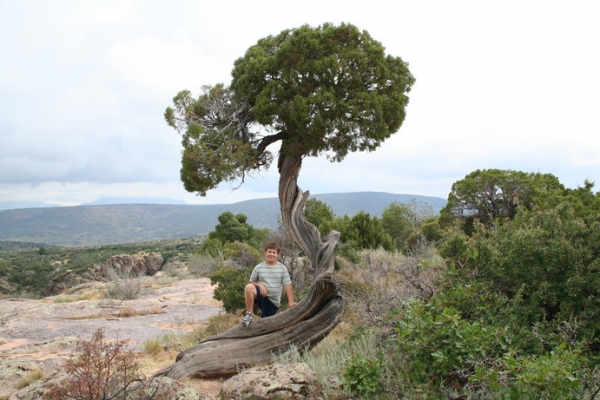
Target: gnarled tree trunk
{"type": "Point", "coordinates": [301, 327]}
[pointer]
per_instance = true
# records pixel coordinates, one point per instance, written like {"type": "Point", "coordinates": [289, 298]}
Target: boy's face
{"type": "Point", "coordinates": [271, 256]}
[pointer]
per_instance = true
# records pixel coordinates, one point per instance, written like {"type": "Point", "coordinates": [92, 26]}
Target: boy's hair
{"type": "Point", "coordinates": [274, 246]}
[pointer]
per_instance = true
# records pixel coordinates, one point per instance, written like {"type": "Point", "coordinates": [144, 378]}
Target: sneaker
{"type": "Point", "coordinates": [247, 318]}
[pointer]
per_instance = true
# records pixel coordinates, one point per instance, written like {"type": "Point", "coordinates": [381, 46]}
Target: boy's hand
{"type": "Point", "coordinates": [263, 289]}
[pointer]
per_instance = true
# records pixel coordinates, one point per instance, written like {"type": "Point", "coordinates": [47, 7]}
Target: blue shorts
{"type": "Point", "coordinates": [267, 308]}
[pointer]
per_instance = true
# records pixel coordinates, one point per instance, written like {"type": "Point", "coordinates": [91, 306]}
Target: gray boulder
{"type": "Point", "coordinates": [293, 381]}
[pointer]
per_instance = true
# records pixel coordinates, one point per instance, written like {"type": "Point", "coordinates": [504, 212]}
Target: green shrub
{"type": "Point", "coordinates": [233, 276]}
{"type": "Point", "coordinates": [363, 376]}
{"type": "Point", "coordinates": [549, 263]}
{"type": "Point", "coordinates": [231, 281]}
{"type": "Point", "coordinates": [558, 374]}
{"type": "Point", "coordinates": [211, 247]}
{"type": "Point", "coordinates": [440, 346]}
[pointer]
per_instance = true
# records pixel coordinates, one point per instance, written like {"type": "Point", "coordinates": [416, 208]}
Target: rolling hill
{"type": "Point", "coordinates": [128, 223]}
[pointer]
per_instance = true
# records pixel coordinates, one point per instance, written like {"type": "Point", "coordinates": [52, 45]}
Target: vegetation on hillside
{"type": "Point", "coordinates": [507, 308]}
{"type": "Point", "coordinates": [504, 306]}
{"type": "Point", "coordinates": [28, 271]}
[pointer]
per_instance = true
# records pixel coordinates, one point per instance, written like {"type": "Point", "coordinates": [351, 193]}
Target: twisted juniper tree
{"type": "Point", "coordinates": [327, 90]}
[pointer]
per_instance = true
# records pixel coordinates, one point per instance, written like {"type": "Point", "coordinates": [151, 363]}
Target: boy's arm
{"type": "Point", "coordinates": [290, 295]}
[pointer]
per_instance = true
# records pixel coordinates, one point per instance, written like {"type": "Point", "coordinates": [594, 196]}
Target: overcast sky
{"type": "Point", "coordinates": [499, 84]}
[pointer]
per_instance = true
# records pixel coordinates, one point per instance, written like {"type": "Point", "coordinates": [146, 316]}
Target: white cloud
{"type": "Point", "coordinates": [83, 86]}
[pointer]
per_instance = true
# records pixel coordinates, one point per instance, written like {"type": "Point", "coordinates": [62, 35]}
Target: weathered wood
{"type": "Point", "coordinates": [292, 201]}
{"type": "Point", "coordinates": [302, 326]}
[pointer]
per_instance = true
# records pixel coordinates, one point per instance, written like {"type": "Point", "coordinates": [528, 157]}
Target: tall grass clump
{"type": "Point", "coordinates": [30, 378]}
{"type": "Point", "coordinates": [153, 346]}
{"type": "Point", "coordinates": [124, 286]}
{"type": "Point", "coordinates": [339, 361]}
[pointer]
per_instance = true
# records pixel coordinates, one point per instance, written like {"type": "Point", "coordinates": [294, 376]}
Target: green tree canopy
{"type": "Point", "coordinates": [318, 213]}
{"type": "Point", "coordinates": [494, 194]}
{"type": "Point", "coordinates": [361, 231]}
{"type": "Point", "coordinates": [320, 90]}
{"type": "Point", "coordinates": [399, 221]}
{"type": "Point", "coordinates": [231, 228]}
{"type": "Point", "coordinates": [584, 200]}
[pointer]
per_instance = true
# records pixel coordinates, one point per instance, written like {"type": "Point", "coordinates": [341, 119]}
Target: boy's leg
{"type": "Point", "coordinates": [251, 295]}
{"type": "Point", "coordinates": [251, 292]}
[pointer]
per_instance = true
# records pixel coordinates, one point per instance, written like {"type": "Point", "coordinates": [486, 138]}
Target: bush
{"type": "Point", "coordinates": [231, 281]}
{"type": "Point", "coordinates": [558, 374]}
{"type": "Point", "coordinates": [233, 277]}
{"type": "Point", "coordinates": [442, 347]}
{"type": "Point", "coordinates": [103, 370]}
{"type": "Point", "coordinates": [211, 247]}
{"type": "Point", "coordinates": [362, 376]}
{"type": "Point", "coordinates": [124, 286]}
{"type": "Point", "coordinates": [548, 262]}
{"type": "Point", "coordinates": [203, 265]}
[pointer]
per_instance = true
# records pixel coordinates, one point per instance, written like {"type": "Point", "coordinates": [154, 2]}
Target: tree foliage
{"type": "Point", "coordinates": [493, 195]}
{"type": "Point", "coordinates": [321, 90]}
{"type": "Point", "coordinates": [361, 232]}
{"type": "Point", "coordinates": [233, 228]}
{"type": "Point", "coordinates": [584, 201]}
{"type": "Point", "coordinates": [550, 262]}
{"type": "Point", "coordinates": [319, 214]}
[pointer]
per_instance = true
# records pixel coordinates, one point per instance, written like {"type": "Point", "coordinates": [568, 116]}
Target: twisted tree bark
{"type": "Point", "coordinates": [302, 326]}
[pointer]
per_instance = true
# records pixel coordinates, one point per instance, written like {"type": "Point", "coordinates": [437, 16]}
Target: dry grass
{"type": "Point", "coordinates": [72, 299]}
{"type": "Point", "coordinates": [329, 358]}
{"type": "Point", "coordinates": [384, 281]}
{"type": "Point", "coordinates": [127, 312]}
{"type": "Point", "coordinates": [216, 324]}
{"type": "Point", "coordinates": [31, 377]}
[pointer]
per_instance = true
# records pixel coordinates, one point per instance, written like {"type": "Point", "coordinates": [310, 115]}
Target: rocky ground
{"type": "Point", "coordinates": [41, 334]}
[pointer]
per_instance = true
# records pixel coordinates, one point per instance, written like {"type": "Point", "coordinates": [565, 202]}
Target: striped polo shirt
{"type": "Point", "coordinates": [273, 277]}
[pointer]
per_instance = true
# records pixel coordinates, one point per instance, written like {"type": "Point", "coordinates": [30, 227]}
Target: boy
{"type": "Point", "coordinates": [267, 281]}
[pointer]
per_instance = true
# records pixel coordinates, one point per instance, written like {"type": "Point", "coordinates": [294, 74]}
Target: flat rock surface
{"type": "Point", "coordinates": [179, 307]}
{"type": "Point", "coordinates": [41, 334]}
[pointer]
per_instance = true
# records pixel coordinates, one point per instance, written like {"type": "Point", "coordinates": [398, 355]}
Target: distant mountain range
{"type": "Point", "coordinates": [13, 205]}
{"type": "Point", "coordinates": [105, 224]}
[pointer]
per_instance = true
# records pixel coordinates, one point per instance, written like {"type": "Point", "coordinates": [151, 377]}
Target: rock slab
{"type": "Point", "coordinates": [292, 381]}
